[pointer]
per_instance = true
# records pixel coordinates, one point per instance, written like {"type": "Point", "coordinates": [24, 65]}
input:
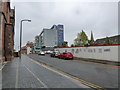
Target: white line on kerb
{"type": "Point", "coordinates": [45, 86]}
{"type": "Point", "coordinates": [17, 73]}
{"type": "Point", "coordinates": [3, 66]}
{"type": "Point", "coordinates": [73, 80]}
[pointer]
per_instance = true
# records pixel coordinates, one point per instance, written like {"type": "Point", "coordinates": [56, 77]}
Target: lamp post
{"type": "Point", "coordinates": [21, 33]}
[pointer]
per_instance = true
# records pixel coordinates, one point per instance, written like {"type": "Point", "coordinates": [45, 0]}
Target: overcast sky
{"type": "Point", "coordinates": [99, 17]}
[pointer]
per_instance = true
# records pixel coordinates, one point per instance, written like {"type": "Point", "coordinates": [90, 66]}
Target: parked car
{"type": "Point", "coordinates": [48, 52]}
{"type": "Point", "coordinates": [41, 53]}
{"type": "Point", "coordinates": [66, 55]}
{"type": "Point", "coordinates": [57, 53]}
{"type": "Point", "coordinates": [54, 54]}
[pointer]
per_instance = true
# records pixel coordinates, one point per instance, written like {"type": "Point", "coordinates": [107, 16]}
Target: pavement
{"type": "Point", "coordinates": [103, 75]}
{"type": "Point", "coordinates": [26, 73]}
{"type": "Point", "coordinates": [99, 61]}
{"type": "Point", "coordinates": [1, 67]}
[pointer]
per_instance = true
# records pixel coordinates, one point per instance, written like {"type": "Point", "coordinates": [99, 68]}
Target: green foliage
{"type": "Point", "coordinates": [56, 46]}
{"type": "Point", "coordinates": [91, 42]}
{"type": "Point", "coordinates": [65, 44]}
{"type": "Point", "coordinates": [72, 45]}
{"type": "Point", "coordinates": [86, 44]}
{"type": "Point", "coordinates": [108, 41]}
{"type": "Point", "coordinates": [81, 39]}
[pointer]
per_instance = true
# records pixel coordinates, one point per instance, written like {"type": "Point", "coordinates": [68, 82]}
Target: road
{"type": "Point", "coordinates": [27, 73]}
{"type": "Point", "coordinates": [105, 76]}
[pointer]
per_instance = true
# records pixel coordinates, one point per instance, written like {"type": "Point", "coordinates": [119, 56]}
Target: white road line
{"type": "Point", "coordinates": [73, 80]}
{"type": "Point", "coordinates": [17, 73]}
{"type": "Point", "coordinates": [3, 66]}
{"type": "Point", "coordinates": [45, 86]}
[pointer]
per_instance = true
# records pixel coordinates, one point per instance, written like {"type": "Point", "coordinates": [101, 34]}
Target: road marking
{"type": "Point", "coordinates": [3, 65]}
{"type": "Point", "coordinates": [17, 73]}
{"type": "Point", "coordinates": [45, 86]}
{"type": "Point", "coordinates": [94, 62]}
{"type": "Point", "coordinates": [73, 78]}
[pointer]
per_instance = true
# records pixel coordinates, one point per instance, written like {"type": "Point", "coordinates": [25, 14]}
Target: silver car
{"type": "Point", "coordinates": [41, 53]}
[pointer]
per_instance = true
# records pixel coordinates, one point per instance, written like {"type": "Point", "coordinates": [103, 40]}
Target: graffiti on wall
{"type": "Point", "coordinates": [97, 50]}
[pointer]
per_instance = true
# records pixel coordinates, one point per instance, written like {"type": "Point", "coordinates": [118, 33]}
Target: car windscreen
{"type": "Point", "coordinates": [69, 53]}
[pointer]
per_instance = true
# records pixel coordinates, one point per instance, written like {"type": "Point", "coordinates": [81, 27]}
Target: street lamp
{"type": "Point", "coordinates": [21, 33]}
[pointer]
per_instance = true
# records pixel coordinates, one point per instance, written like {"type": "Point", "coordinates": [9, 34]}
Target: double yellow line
{"type": "Point", "coordinates": [71, 76]}
{"type": "Point", "coordinates": [95, 63]}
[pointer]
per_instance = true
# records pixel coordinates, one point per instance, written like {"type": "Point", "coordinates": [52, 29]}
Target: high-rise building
{"type": "Point", "coordinates": [60, 35]}
{"type": "Point", "coordinates": [37, 40]}
{"type": "Point", "coordinates": [52, 37]}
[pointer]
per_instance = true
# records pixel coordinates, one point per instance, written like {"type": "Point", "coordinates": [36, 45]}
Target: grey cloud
{"type": "Point", "coordinates": [101, 18]}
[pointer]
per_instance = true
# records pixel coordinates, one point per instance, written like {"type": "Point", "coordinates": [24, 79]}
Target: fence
{"type": "Point", "coordinates": [109, 52]}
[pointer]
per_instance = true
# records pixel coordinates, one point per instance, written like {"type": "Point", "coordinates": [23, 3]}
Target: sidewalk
{"type": "Point", "coordinates": [1, 67]}
{"type": "Point", "coordinates": [99, 61]}
{"type": "Point", "coordinates": [0, 79]}
{"type": "Point", "coordinates": [15, 75]}
{"type": "Point", "coordinates": [26, 73]}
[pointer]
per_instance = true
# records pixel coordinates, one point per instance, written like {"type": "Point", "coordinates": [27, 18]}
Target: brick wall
{"type": "Point", "coordinates": [0, 40]}
{"type": "Point", "coordinates": [0, 32]}
{"type": "Point", "coordinates": [9, 41]}
{"type": "Point", "coordinates": [6, 31]}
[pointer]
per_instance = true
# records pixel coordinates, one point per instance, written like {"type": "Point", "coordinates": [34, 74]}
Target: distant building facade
{"type": "Point", "coordinates": [7, 20]}
{"type": "Point", "coordinates": [51, 37]}
{"type": "Point", "coordinates": [37, 40]}
{"type": "Point", "coordinates": [28, 48]}
{"type": "Point", "coordinates": [24, 50]}
{"type": "Point", "coordinates": [113, 40]}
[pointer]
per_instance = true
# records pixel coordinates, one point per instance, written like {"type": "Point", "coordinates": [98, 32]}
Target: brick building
{"type": "Point", "coordinates": [7, 20]}
{"type": "Point", "coordinates": [25, 48]}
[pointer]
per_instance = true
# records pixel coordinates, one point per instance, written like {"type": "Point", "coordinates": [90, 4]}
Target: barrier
{"type": "Point", "coordinates": [108, 52]}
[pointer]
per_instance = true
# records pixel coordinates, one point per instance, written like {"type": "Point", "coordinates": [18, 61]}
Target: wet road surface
{"type": "Point", "coordinates": [25, 73]}
{"type": "Point", "coordinates": [105, 76]}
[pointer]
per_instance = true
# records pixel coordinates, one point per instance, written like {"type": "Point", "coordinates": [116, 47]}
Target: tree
{"type": "Point", "coordinates": [82, 39]}
{"type": "Point", "coordinates": [77, 42]}
{"type": "Point", "coordinates": [72, 45]}
{"type": "Point", "coordinates": [65, 44]}
{"type": "Point", "coordinates": [56, 46]}
{"type": "Point", "coordinates": [107, 41]}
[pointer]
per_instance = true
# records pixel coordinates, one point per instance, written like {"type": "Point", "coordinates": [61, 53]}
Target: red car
{"type": "Point", "coordinates": [66, 55]}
